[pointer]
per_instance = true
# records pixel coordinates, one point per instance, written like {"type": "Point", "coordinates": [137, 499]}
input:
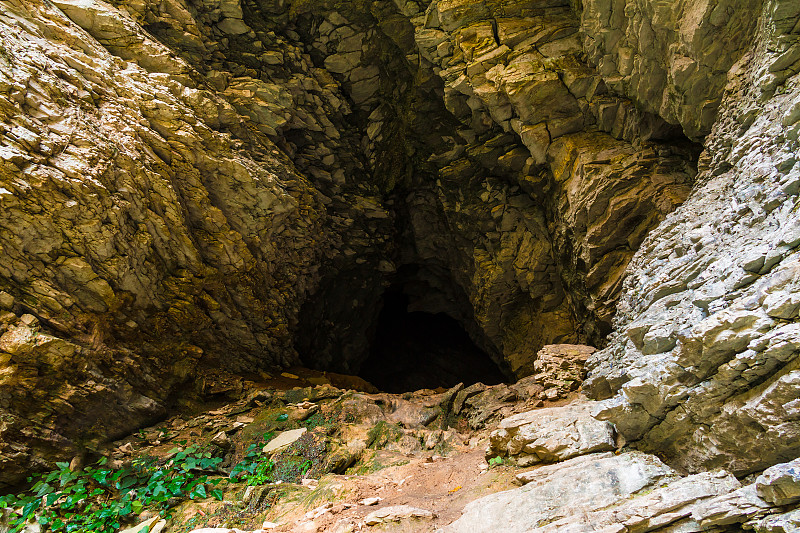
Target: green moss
{"type": "Point", "coordinates": [320, 420]}
{"type": "Point", "coordinates": [304, 458]}
{"type": "Point", "coordinates": [382, 434]}
{"type": "Point", "coordinates": [372, 463]}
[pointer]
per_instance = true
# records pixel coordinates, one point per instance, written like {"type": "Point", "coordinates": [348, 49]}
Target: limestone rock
{"type": "Point", "coordinates": [701, 366]}
{"type": "Point", "coordinates": [236, 186]}
{"type": "Point", "coordinates": [665, 507]}
{"type": "Point", "coordinates": [780, 484]}
{"type": "Point", "coordinates": [283, 440]}
{"type": "Point", "coordinates": [739, 506]}
{"type": "Point", "coordinates": [777, 523]}
{"type": "Point", "coordinates": [560, 367]}
{"type": "Point", "coordinates": [552, 434]}
{"type": "Point", "coordinates": [233, 26]}
{"type": "Point", "coordinates": [570, 489]}
{"type": "Point", "coordinates": [396, 513]}
{"type": "Point", "coordinates": [681, 50]}
{"type": "Point", "coordinates": [221, 439]}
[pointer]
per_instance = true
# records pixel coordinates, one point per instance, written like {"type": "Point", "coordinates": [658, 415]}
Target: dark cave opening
{"type": "Point", "coordinates": [420, 350]}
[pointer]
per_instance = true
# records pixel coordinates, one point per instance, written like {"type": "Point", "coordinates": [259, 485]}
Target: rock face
{"type": "Point", "coordinates": [552, 434]}
{"type": "Point", "coordinates": [141, 219]}
{"type": "Point", "coordinates": [187, 185]}
{"type": "Point", "coordinates": [633, 492]}
{"type": "Point", "coordinates": [559, 368]}
{"type": "Point", "coordinates": [670, 59]}
{"type": "Point", "coordinates": [568, 490]}
{"type": "Point", "coordinates": [703, 362]}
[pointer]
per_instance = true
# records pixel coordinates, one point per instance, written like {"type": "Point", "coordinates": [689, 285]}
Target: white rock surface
{"type": "Point", "coordinates": [552, 434]}
{"type": "Point", "coordinates": [283, 440]}
{"type": "Point", "coordinates": [780, 484]}
{"type": "Point", "coordinates": [788, 522]}
{"type": "Point", "coordinates": [569, 489]}
{"type": "Point", "coordinates": [738, 506]}
{"type": "Point", "coordinates": [702, 365]}
{"type": "Point", "coordinates": [664, 507]}
{"type": "Point", "coordinates": [397, 513]}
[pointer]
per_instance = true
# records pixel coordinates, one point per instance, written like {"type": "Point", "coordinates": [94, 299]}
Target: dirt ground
{"type": "Point", "coordinates": [443, 486]}
{"type": "Point", "coordinates": [424, 450]}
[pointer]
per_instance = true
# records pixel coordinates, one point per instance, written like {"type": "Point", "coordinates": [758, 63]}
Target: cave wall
{"type": "Point", "coordinates": [703, 363]}
{"type": "Point", "coordinates": [193, 184]}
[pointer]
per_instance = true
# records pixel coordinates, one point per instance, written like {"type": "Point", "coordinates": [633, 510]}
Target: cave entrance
{"type": "Point", "coordinates": [421, 350]}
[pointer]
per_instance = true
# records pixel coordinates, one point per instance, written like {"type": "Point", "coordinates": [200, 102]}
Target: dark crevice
{"type": "Point", "coordinates": [419, 350]}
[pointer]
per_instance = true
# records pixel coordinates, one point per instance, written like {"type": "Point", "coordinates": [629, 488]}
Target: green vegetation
{"type": "Point", "coordinates": [495, 461]}
{"type": "Point", "coordinates": [306, 454]}
{"type": "Point", "coordinates": [319, 420]}
{"type": "Point", "coordinates": [102, 498]}
{"type": "Point", "coordinates": [254, 468]}
{"type": "Point", "coordinates": [99, 499]}
{"type": "Point", "coordinates": [382, 434]}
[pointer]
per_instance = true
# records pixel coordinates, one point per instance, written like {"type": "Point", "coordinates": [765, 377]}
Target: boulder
{"type": "Point", "coordinates": [780, 484]}
{"type": "Point", "coordinates": [569, 489]}
{"type": "Point", "coordinates": [559, 368]}
{"type": "Point", "coordinates": [552, 434]}
{"type": "Point", "coordinates": [283, 440]}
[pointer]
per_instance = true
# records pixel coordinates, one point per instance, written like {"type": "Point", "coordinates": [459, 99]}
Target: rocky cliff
{"type": "Point", "coordinates": [192, 185]}
{"type": "Point", "coordinates": [703, 363]}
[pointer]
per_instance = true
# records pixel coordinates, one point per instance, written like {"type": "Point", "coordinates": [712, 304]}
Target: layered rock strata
{"type": "Point", "coordinates": [703, 363]}
{"type": "Point", "coordinates": [192, 184]}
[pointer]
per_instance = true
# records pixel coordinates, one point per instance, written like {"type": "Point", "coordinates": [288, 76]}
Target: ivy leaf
{"type": "Point", "coordinates": [29, 508]}
{"type": "Point", "coordinates": [159, 489]}
{"type": "Point", "coordinates": [126, 482]}
{"type": "Point", "coordinates": [43, 488]}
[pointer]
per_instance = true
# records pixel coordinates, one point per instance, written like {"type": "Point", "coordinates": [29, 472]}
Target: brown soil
{"type": "Point", "coordinates": [437, 466]}
{"type": "Point", "coordinates": [443, 486]}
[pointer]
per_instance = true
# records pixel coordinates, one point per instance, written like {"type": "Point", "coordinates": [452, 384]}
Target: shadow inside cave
{"type": "Point", "coordinates": [418, 350]}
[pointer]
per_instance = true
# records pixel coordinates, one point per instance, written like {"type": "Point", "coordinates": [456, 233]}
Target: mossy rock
{"type": "Point", "coordinates": [306, 457]}
{"type": "Point", "coordinates": [383, 433]}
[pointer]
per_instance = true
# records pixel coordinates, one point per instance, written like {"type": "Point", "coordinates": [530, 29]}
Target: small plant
{"type": "Point", "coordinates": [255, 468]}
{"type": "Point", "coordinates": [318, 420]}
{"type": "Point", "coordinates": [98, 499]}
{"type": "Point", "coordinates": [495, 461]}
